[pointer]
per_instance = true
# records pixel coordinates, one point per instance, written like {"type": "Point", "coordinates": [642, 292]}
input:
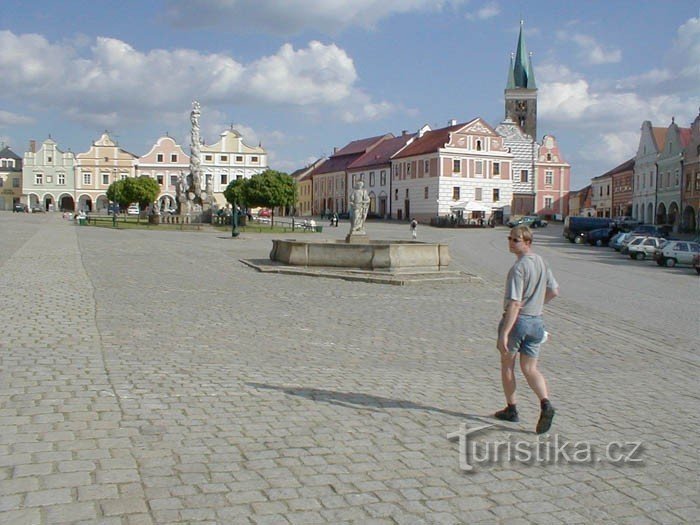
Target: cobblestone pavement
{"type": "Point", "coordinates": [149, 377]}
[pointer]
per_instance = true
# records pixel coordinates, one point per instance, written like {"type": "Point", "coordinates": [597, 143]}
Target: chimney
{"type": "Point", "coordinates": [32, 146]}
{"type": "Point", "coordinates": [335, 150]}
{"type": "Point", "coordinates": [451, 122]}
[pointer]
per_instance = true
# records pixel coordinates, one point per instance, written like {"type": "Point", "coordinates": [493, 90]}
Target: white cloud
{"type": "Point", "coordinates": [590, 51]}
{"type": "Point", "coordinates": [293, 16]}
{"type": "Point", "coordinates": [112, 82]}
{"type": "Point", "coordinates": [12, 119]}
{"type": "Point", "coordinates": [488, 10]}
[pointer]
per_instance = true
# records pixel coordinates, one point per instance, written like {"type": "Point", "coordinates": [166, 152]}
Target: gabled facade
{"type": "Point", "coordinates": [302, 176]}
{"type": "Point", "coordinates": [462, 169]}
{"type": "Point", "coordinates": [690, 198]}
{"type": "Point", "coordinates": [523, 148]}
{"type": "Point", "coordinates": [48, 177]}
{"type": "Point", "coordinates": [552, 180]}
{"type": "Point", "coordinates": [601, 195]}
{"type": "Point", "coordinates": [651, 140]}
{"type": "Point", "coordinates": [10, 178]}
{"type": "Point", "coordinates": [330, 192]}
{"type": "Point", "coordinates": [104, 163]}
{"type": "Point", "coordinates": [164, 163]}
{"type": "Point", "coordinates": [374, 169]}
{"type": "Point", "coordinates": [669, 168]}
{"type": "Point", "coordinates": [230, 159]}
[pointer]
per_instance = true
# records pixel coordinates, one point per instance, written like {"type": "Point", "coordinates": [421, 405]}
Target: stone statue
{"type": "Point", "coordinates": [359, 206]}
{"type": "Point", "coordinates": [195, 154]}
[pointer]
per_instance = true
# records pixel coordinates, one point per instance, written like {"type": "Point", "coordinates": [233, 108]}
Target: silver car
{"type": "Point", "coordinates": [676, 252]}
{"type": "Point", "coordinates": [641, 247]}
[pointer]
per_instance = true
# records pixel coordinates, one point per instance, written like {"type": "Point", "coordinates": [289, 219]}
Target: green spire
{"type": "Point", "coordinates": [521, 71]}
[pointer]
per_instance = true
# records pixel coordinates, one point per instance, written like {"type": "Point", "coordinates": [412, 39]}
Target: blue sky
{"type": "Point", "coordinates": [304, 76]}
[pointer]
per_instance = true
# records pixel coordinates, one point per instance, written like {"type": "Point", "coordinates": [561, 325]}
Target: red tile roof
{"type": "Point", "coordinates": [430, 141]}
{"type": "Point", "coordinates": [361, 145]}
{"type": "Point", "coordinates": [659, 135]}
{"type": "Point", "coordinates": [625, 166]}
{"type": "Point", "coordinates": [342, 158]}
{"type": "Point", "coordinates": [685, 136]}
{"type": "Point", "coordinates": [382, 153]}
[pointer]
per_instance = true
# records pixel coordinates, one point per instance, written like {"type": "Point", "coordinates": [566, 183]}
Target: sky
{"type": "Point", "coordinates": [301, 77]}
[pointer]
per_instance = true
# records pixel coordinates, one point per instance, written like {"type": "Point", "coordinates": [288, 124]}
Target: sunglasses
{"type": "Point", "coordinates": [514, 239]}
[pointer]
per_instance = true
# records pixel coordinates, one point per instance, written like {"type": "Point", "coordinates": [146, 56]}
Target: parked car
{"type": "Point", "coordinates": [533, 221]}
{"type": "Point", "coordinates": [38, 209]}
{"type": "Point", "coordinates": [19, 208]}
{"type": "Point", "coordinates": [642, 247]}
{"type": "Point", "coordinates": [599, 237]}
{"type": "Point", "coordinates": [575, 226]}
{"type": "Point", "coordinates": [264, 212]}
{"type": "Point", "coordinates": [676, 252]}
{"type": "Point", "coordinates": [654, 230]}
{"type": "Point", "coordinates": [696, 263]}
{"type": "Point", "coordinates": [132, 210]}
{"type": "Point", "coordinates": [618, 240]}
{"type": "Point", "coordinates": [626, 223]}
{"type": "Point", "coordinates": [112, 208]}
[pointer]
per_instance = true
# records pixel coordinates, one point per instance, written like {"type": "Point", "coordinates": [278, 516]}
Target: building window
{"type": "Point", "coordinates": [224, 178]}
{"type": "Point", "coordinates": [426, 167]}
{"type": "Point", "coordinates": [396, 194]}
{"type": "Point", "coordinates": [122, 176]}
{"type": "Point", "coordinates": [371, 178]}
{"type": "Point", "coordinates": [15, 183]}
{"type": "Point", "coordinates": [523, 175]}
{"type": "Point", "coordinates": [106, 159]}
{"type": "Point", "coordinates": [254, 159]}
{"type": "Point", "coordinates": [406, 197]}
{"type": "Point", "coordinates": [496, 195]}
{"type": "Point", "coordinates": [382, 178]}
{"type": "Point", "coordinates": [208, 157]}
{"type": "Point", "coordinates": [173, 180]}
{"type": "Point", "coordinates": [408, 169]}
{"type": "Point", "coordinates": [105, 178]}
{"type": "Point", "coordinates": [173, 157]}
{"type": "Point", "coordinates": [455, 193]}
{"type": "Point", "coordinates": [477, 194]}
{"type": "Point", "coordinates": [61, 179]}
{"type": "Point", "coordinates": [39, 178]}
{"type": "Point", "coordinates": [478, 145]}
{"type": "Point", "coordinates": [497, 169]}
{"type": "Point", "coordinates": [456, 166]}
{"type": "Point", "coordinates": [49, 159]}
{"type": "Point", "coordinates": [87, 178]}
{"type": "Point", "coordinates": [239, 158]}
{"type": "Point", "coordinates": [354, 179]}
{"type": "Point", "coordinates": [479, 167]}
{"type": "Point", "coordinates": [608, 189]}
{"type": "Point", "coordinates": [425, 192]}
{"type": "Point", "coordinates": [549, 176]}
{"type": "Point", "coordinates": [224, 158]}
{"type": "Point", "coordinates": [548, 203]}
{"type": "Point", "coordinates": [159, 157]}
{"type": "Point", "coordinates": [159, 180]}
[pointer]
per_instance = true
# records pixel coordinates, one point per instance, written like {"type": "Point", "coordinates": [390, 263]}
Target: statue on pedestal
{"type": "Point", "coordinates": [359, 206]}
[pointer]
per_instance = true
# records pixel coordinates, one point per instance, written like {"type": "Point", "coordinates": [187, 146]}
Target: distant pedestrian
{"type": "Point", "coordinates": [414, 229]}
{"type": "Point", "coordinates": [529, 286]}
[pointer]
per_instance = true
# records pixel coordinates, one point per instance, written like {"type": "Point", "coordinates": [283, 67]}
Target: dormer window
{"type": "Point", "coordinates": [159, 158]}
{"type": "Point", "coordinates": [549, 156]}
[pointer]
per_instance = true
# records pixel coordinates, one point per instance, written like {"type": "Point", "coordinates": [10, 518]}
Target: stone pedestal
{"type": "Point", "coordinates": [357, 238]}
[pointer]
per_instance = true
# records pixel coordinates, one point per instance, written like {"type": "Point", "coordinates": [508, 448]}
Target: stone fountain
{"type": "Point", "coordinates": [359, 258]}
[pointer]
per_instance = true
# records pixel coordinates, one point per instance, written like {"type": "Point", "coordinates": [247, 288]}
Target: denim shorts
{"type": "Point", "coordinates": [526, 335]}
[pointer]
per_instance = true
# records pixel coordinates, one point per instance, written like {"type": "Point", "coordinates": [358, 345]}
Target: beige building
{"type": "Point", "coordinates": [104, 163]}
{"type": "Point", "coordinates": [302, 177]}
{"type": "Point", "coordinates": [601, 195]}
{"type": "Point", "coordinates": [164, 163]}
{"type": "Point", "coordinates": [230, 159]}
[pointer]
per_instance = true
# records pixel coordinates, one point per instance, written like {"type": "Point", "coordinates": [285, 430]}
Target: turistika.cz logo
{"type": "Point", "coordinates": [545, 450]}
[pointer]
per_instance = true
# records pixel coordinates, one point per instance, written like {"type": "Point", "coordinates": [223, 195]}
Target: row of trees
{"type": "Point", "coordinates": [269, 189]}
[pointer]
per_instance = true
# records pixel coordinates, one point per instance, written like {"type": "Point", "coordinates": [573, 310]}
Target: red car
{"type": "Point", "coordinates": [264, 213]}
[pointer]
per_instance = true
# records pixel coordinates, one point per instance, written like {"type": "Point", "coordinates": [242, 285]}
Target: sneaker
{"type": "Point", "coordinates": [507, 414]}
{"type": "Point", "coordinates": [544, 339]}
{"type": "Point", "coordinates": [545, 421]}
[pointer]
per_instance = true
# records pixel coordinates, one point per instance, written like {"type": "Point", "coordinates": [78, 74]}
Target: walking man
{"type": "Point", "coordinates": [414, 229]}
{"type": "Point", "coordinates": [529, 286]}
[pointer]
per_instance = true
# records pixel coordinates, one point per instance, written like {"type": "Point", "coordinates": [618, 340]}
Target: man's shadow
{"type": "Point", "coordinates": [360, 401]}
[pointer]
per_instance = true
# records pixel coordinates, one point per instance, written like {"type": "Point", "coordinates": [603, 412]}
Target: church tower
{"type": "Point", "coordinates": [521, 90]}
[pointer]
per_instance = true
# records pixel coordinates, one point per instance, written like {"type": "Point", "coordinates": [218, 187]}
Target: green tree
{"type": "Point", "coordinates": [235, 192]}
{"type": "Point", "coordinates": [270, 189]}
{"type": "Point", "coordinates": [117, 193]}
{"type": "Point", "coordinates": [145, 190]}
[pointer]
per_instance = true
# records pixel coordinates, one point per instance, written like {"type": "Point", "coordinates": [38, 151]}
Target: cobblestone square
{"type": "Point", "coordinates": [150, 377]}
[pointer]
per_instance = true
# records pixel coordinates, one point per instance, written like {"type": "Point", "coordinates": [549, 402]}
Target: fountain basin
{"type": "Point", "coordinates": [371, 255]}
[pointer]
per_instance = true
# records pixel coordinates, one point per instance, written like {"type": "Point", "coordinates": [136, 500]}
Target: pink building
{"type": "Point", "coordinates": [552, 180]}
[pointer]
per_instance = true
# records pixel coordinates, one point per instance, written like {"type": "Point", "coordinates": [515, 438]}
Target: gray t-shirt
{"type": "Point", "coordinates": [527, 282]}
